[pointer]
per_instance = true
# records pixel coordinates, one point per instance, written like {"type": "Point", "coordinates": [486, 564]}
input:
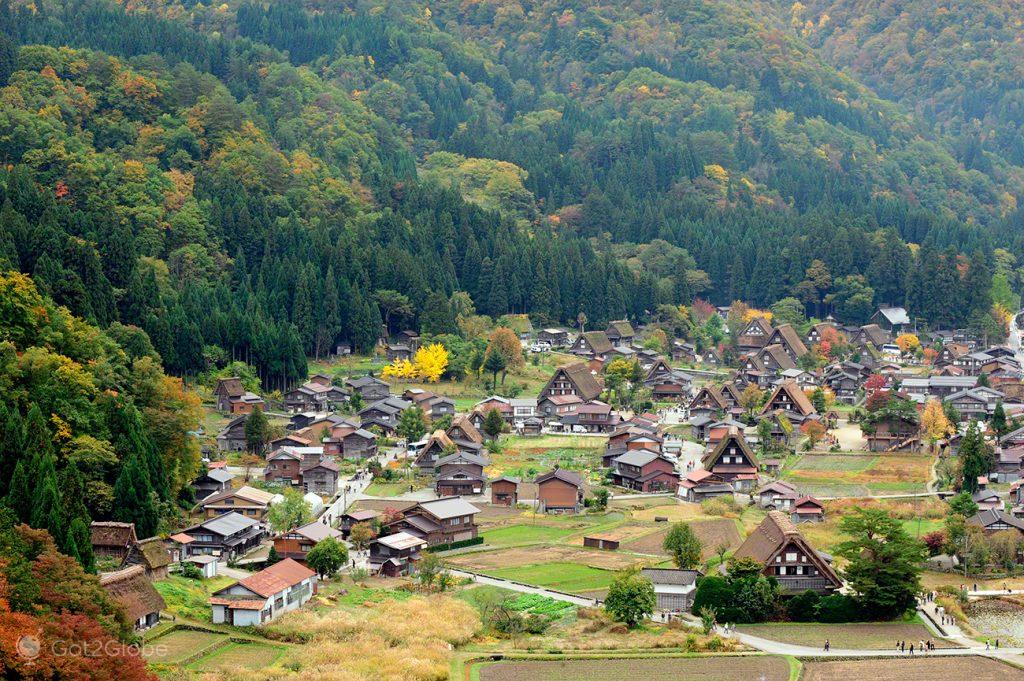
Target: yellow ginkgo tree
{"type": "Point", "coordinates": [430, 362]}
{"type": "Point", "coordinates": [401, 369]}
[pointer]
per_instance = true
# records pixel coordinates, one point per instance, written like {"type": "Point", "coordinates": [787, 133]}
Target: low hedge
{"type": "Point", "coordinates": [475, 541]}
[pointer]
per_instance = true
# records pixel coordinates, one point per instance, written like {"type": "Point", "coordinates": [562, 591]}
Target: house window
{"type": "Point", "coordinates": [790, 557]}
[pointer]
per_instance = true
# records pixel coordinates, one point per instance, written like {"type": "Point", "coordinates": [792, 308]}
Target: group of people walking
{"type": "Point", "coordinates": [922, 647]}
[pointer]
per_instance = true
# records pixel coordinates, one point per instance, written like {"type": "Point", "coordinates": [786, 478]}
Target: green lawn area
{"type": "Point", "coordinates": [861, 635]}
{"type": "Point", "coordinates": [569, 577]}
{"type": "Point", "coordinates": [245, 655]}
{"type": "Point", "coordinates": [188, 597]}
{"type": "Point", "coordinates": [524, 534]}
{"type": "Point", "coordinates": [356, 595]}
{"type": "Point", "coordinates": [927, 525]}
{"type": "Point", "coordinates": [388, 489]}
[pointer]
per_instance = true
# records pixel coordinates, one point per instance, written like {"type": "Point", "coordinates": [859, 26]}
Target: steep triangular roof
{"type": "Point", "coordinates": [787, 336]}
{"type": "Point", "coordinates": [712, 394]}
{"type": "Point", "coordinates": [587, 387]}
{"type": "Point", "coordinates": [463, 429]}
{"type": "Point", "coordinates": [598, 341]}
{"type": "Point", "coordinates": [773, 535]}
{"type": "Point", "coordinates": [797, 401]}
{"type": "Point", "coordinates": [622, 327]}
{"type": "Point", "coordinates": [229, 387]}
{"type": "Point", "coordinates": [733, 438]}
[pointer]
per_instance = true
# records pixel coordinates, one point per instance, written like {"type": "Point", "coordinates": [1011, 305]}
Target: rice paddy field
{"type": "Point", "coordinates": [180, 645]}
{"type": "Point", "coordinates": [678, 669]}
{"type": "Point", "coordinates": [239, 656]}
{"type": "Point", "coordinates": [911, 669]}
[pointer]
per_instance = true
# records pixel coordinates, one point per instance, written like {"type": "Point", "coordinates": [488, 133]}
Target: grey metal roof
{"type": "Point", "coordinates": [670, 576]}
{"type": "Point", "coordinates": [449, 508]}
{"type": "Point", "coordinates": [637, 457]}
{"type": "Point", "coordinates": [219, 475]}
{"type": "Point", "coordinates": [227, 524]}
{"type": "Point", "coordinates": [895, 315]}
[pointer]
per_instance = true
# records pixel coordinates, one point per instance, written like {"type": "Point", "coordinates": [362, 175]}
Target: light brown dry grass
{"type": "Point", "coordinates": [395, 641]}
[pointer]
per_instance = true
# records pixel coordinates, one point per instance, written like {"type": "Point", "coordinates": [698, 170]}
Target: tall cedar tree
{"type": "Point", "coordinates": [134, 499]}
{"type": "Point", "coordinates": [884, 563]}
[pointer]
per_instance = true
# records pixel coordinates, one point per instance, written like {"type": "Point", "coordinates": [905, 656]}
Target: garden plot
{"type": "Point", "coordinates": [487, 561]}
{"type": "Point", "coordinates": [678, 669]}
{"type": "Point", "coordinates": [911, 669]}
{"type": "Point", "coordinates": [859, 475]}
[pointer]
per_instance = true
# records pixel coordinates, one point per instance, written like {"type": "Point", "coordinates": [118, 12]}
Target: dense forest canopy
{"type": "Point", "coordinates": [251, 181]}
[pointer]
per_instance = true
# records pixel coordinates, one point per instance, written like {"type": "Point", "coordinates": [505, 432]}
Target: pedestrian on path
{"type": "Point", "coordinates": [911, 648]}
{"type": "Point", "coordinates": [827, 645]}
{"type": "Point", "coordinates": [997, 644]}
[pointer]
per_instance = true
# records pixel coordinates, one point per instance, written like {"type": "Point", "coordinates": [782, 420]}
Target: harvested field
{"type": "Point", "coordinates": [244, 655]}
{"type": "Point", "coordinates": [678, 669]}
{"type": "Point", "coordinates": [628, 532]}
{"type": "Point", "coordinates": [834, 462]}
{"type": "Point", "coordinates": [710, 532]}
{"type": "Point", "coordinates": [974, 668]}
{"type": "Point", "coordinates": [486, 561]}
{"type": "Point", "coordinates": [179, 645]}
{"type": "Point", "coordinates": [674, 512]}
{"type": "Point", "coordinates": [861, 635]}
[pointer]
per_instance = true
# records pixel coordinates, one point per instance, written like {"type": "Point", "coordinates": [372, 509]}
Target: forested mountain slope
{"type": "Point", "coordinates": [958, 63]}
{"type": "Point", "coordinates": [244, 179]}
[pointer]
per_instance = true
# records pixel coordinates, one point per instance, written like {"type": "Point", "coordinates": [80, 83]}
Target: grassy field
{"type": "Point", "coordinates": [972, 667]}
{"type": "Point", "coordinates": [570, 577]}
{"type": "Point", "coordinates": [510, 535]}
{"type": "Point", "coordinates": [244, 655]}
{"type": "Point", "coordinates": [678, 669]}
{"type": "Point", "coordinates": [389, 489]}
{"type": "Point", "coordinates": [188, 597]}
{"type": "Point", "coordinates": [870, 635]}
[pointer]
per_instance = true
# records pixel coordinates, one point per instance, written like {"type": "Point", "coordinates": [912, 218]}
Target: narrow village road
{"type": "Point", "coordinates": [526, 589]}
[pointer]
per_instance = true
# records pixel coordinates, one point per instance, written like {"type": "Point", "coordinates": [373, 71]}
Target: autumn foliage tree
{"type": "Point", "coordinates": [50, 604]}
{"type": "Point", "coordinates": [813, 431]}
{"type": "Point", "coordinates": [935, 425]}
{"type": "Point", "coordinates": [908, 343]}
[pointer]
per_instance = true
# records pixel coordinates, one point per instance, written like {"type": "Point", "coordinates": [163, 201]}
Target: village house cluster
{"type": "Point", "coordinates": [715, 428]}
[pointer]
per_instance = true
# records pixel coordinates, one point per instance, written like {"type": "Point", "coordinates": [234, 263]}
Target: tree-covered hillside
{"type": "Point", "coordinates": [251, 180]}
{"type": "Point", "coordinates": [958, 63]}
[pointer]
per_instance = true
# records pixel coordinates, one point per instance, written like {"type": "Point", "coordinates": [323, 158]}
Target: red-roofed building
{"type": "Point", "coordinates": [261, 597]}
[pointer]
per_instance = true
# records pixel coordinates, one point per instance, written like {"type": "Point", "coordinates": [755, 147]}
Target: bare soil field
{"type": "Point", "coordinates": [710, 532]}
{"type": "Point", "coordinates": [528, 555]}
{"type": "Point", "coordinates": [673, 512]}
{"type": "Point", "coordinates": [678, 669]}
{"type": "Point", "coordinates": [906, 669]}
